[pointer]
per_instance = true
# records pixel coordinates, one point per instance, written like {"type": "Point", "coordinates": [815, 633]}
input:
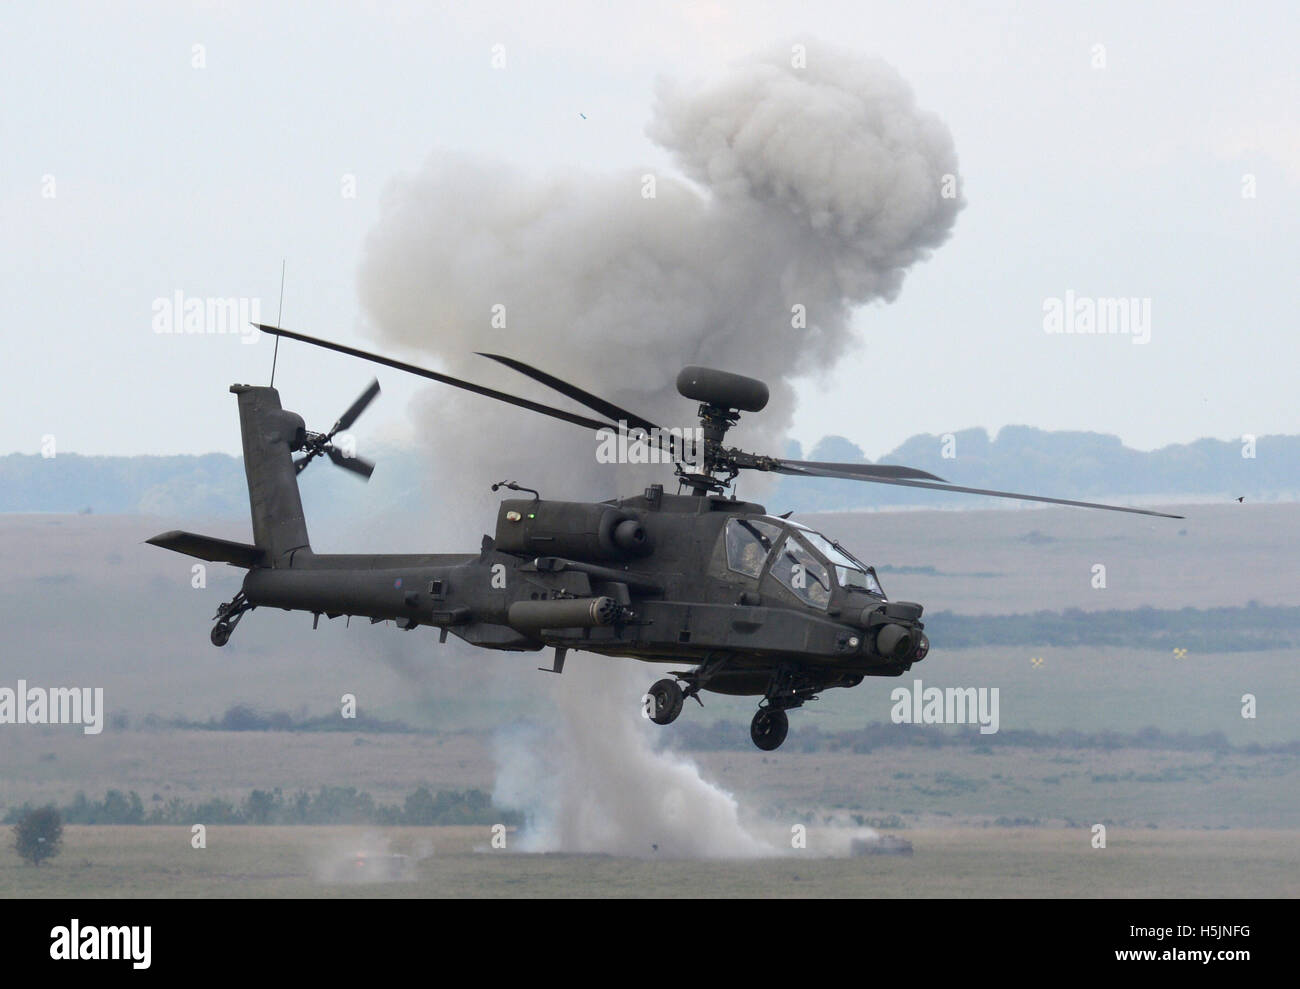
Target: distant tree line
{"type": "Point", "coordinates": [243, 717]}
{"type": "Point", "coordinates": [1198, 630]}
{"type": "Point", "coordinates": [328, 805]}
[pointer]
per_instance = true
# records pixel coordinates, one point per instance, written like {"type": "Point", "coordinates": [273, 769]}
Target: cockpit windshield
{"type": "Point", "coordinates": [799, 570]}
{"type": "Point", "coordinates": [850, 572]}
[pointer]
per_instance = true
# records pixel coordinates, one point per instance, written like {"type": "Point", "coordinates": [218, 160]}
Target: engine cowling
{"type": "Point", "coordinates": [572, 529]}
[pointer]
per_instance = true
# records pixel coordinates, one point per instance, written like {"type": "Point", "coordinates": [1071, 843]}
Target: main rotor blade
{"type": "Point", "coordinates": [666, 440]}
{"type": "Point", "coordinates": [357, 465]}
{"type": "Point", "coordinates": [983, 491]}
{"type": "Point", "coordinates": [859, 470]}
{"type": "Point", "coordinates": [446, 379]}
{"type": "Point", "coordinates": [593, 402]}
{"type": "Point", "coordinates": [356, 408]}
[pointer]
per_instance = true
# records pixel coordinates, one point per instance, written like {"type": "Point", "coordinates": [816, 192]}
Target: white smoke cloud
{"type": "Point", "coordinates": [815, 187]}
{"type": "Point", "coordinates": [835, 154]}
{"type": "Point", "coordinates": [592, 781]}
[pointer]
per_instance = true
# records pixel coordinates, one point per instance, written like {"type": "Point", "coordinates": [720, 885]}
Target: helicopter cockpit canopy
{"type": "Point", "coordinates": [806, 562]}
{"type": "Point", "coordinates": [850, 572]}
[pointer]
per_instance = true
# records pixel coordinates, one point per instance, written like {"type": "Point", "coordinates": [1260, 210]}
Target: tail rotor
{"type": "Point", "coordinates": [317, 444]}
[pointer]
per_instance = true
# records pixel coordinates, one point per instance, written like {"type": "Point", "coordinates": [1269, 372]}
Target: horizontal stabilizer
{"type": "Point", "coordinates": [209, 548]}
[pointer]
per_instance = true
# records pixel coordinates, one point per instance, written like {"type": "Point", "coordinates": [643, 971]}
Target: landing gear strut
{"type": "Point", "coordinates": [669, 696]}
{"type": "Point", "coordinates": [228, 616]}
{"type": "Point", "coordinates": [787, 690]}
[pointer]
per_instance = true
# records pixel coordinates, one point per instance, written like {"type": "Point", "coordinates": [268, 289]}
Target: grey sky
{"type": "Point", "coordinates": [1124, 180]}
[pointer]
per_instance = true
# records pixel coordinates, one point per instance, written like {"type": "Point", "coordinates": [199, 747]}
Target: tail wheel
{"type": "Point", "coordinates": [220, 633]}
{"type": "Point", "coordinates": [667, 700]}
{"type": "Point", "coordinates": [769, 728]}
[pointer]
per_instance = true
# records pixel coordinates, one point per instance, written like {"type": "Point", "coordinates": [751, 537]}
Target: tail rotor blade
{"type": "Point", "coordinates": [357, 465]}
{"type": "Point", "coordinates": [356, 408]}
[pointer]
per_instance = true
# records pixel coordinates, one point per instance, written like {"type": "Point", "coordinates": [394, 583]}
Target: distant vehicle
{"type": "Point", "coordinates": [884, 844]}
{"type": "Point", "coordinates": [368, 867]}
{"type": "Point", "coordinates": [750, 603]}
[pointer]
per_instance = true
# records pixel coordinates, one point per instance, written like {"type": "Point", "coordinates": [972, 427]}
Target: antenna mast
{"type": "Point", "coordinates": [278, 320]}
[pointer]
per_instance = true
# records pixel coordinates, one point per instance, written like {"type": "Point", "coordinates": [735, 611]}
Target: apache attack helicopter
{"type": "Point", "coordinates": [752, 604]}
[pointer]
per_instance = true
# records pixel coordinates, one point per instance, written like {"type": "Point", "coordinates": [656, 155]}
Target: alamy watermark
{"type": "Point", "coordinates": [195, 315]}
{"type": "Point", "coordinates": [102, 942]}
{"type": "Point", "coordinates": [1083, 315]}
{"type": "Point", "coordinates": [920, 705]}
{"type": "Point", "coordinates": [634, 445]}
{"type": "Point", "coordinates": [53, 706]}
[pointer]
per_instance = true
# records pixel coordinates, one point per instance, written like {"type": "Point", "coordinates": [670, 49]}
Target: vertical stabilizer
{"type": "Point", "coordinates": [270, 436]}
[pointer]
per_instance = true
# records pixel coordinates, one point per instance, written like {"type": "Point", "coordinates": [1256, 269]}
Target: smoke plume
{"type": "Point", "coordinates": [594, 781]}
{"type": "Point", "coordinates": [813, 187]}
{"type": "Point", "coordinates": [803, 189]}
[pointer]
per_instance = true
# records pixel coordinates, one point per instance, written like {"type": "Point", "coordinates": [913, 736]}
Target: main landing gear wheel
{"type": "Point", "coordinates": [220, 633]}
{"type": "Point", "coordinates": [667, 699]}
{"type": "Point", "coordinates": [769, 728]}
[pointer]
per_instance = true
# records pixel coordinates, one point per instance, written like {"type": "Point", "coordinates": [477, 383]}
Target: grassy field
{"type": "Point", "coordinates": [917, 786]}
{"type": "Point", "coordinates": [84, 602]}
{"type": "Point", "coordinates": [450, 862]}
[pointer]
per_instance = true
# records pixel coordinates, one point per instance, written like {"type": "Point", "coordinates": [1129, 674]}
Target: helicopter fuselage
{"type": "Point", "coordinates": [694, 580]}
